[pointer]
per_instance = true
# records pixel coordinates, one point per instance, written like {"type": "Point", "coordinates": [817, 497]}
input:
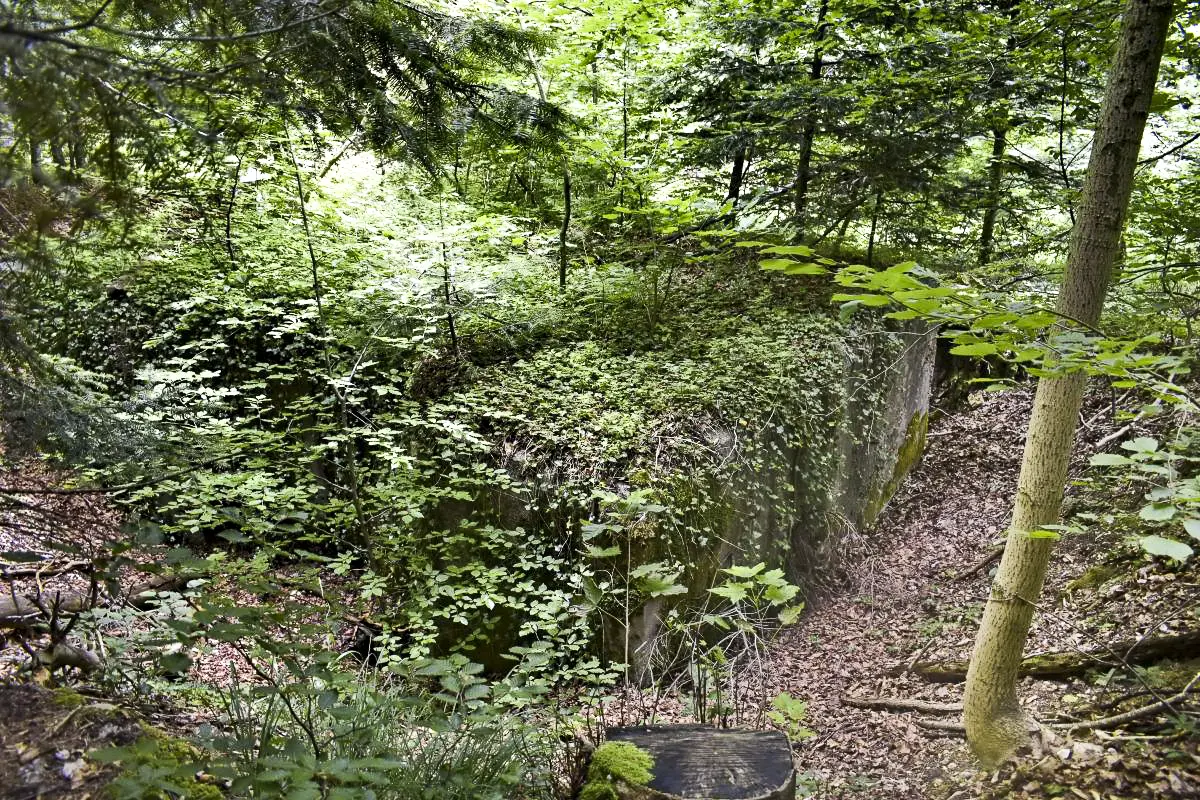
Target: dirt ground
{"type": "Point", "coordinates": [917, 595]}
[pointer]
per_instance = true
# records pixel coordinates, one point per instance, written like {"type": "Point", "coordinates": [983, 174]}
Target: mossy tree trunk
{"type": "Point", "coordinates": [995, 723]}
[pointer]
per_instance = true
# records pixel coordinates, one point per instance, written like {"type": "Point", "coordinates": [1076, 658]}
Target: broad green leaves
{"type": "Point", "coordinates": [1174, 502]}
{"type": "Point", "coordinates": [759, 587]}
{"type": "Point", "coordinates": [1170, 548]}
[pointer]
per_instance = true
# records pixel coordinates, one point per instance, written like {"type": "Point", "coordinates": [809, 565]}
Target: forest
{"type": "Point", "coordinates": [599, 399]}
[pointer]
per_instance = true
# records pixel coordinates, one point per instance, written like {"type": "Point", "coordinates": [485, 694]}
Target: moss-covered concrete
{"type": "Point", "coordinates": [910, 452]}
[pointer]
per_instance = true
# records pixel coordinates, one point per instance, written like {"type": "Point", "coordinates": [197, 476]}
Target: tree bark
{"type": "Point", "coordinates": [1000, 86]}
{"type": "Point", "coordinates": [995, 723]}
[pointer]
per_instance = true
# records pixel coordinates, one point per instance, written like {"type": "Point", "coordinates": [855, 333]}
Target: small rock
{"type": "Point", "coordinates": [76, 772]}
{"type": "Point", "coordinates": [1064, 754]}
{"type": "Point", "coordinates": [1086, 752]}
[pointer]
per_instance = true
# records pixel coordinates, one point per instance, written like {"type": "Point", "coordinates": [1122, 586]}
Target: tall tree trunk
{"type": "Point", "coordinates": [994, 194]}
{"type": "Point", "coordinates": [999, 87]}
{"type": "Point", "coordinates": [809, 131]}
{"type": "Point", "coordinates": [36, 172]}
{"type": "Point", "coordinates": [995, 724]}
{"type": "Point", "coordinates": [735, 175]}
{"type": "Point", "coordinates": [566, 224]}
{"type": "Point", "coordinates": [874, 227]}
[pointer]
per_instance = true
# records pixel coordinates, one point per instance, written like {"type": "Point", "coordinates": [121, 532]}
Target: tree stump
{"type": "Point", "coordinates": [697, 762]}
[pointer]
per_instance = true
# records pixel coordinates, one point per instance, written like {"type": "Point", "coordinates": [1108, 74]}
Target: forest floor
{"type": "Point", "coordinates": [916, 596]}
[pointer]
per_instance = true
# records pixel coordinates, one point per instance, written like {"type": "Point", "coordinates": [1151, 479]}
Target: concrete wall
{"type": "Point", "coordinates": [876, 436]}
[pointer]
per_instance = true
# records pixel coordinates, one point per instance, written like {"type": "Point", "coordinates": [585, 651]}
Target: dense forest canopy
{"type": "Point", "coordinates": [450, 373]}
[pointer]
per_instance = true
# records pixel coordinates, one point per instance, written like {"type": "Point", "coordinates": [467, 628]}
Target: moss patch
{"type": "Point", "coordinates": [68, 698]}
{"type": "Point", "coordinates": [1095, 577]}
{"type": "Point", "coordinates": [158, 761]}
{"type": "Point", "coordinates": [616, 763]}
{"type": "Point", "coordinates": [906, 458]}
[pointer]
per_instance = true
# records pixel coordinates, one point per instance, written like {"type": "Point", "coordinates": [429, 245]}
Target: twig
{"type": "Point", "coordinates": [901, 704]}
{"type": "Point", "coordinates": [1112, 437]}
{"type": "Point", "coordinates": [63, 723]}
{"type": "Point", "coordinates": [920, 652]}
{"type": "Point", "coordinates": [1128, 716]}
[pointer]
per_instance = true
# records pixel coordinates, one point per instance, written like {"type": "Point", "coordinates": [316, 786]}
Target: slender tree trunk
{"type": "Point", "coordinates": [36, 172]}
{"type": "Point", "coordinates": [735, 175]}
{"type": "Point", "coordinates": [999, 87]}
{"type": "Point", "coordinates": [57, 155]}
{"type": "Point", "coordinates": [808, 132]}
{"type": "Point", "coordinates": [566, 224]}
{"type": "Point", "coordinates": [994, 194]}
{"type": "Point", "coordinates": [995, 724]}
{"type": "Point", "coordinates": [458, 187]}
{"type": "Point", "coordinates": [874, 227]}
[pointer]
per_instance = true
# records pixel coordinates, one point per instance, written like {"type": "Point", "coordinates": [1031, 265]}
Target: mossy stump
{"type": "Point", "coordinates": [696, 762]}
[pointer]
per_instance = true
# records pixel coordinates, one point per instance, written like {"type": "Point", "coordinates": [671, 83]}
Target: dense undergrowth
{"type": "Point", "coordinates": [419, 438]}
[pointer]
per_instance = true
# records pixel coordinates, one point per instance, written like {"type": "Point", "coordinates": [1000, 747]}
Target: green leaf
{"type": "Point", "coordinates": [177, 663]}
{"type": "Point", "coordinates": [1142, 444]}
{"type": "Point", "coordinates": [1044, 534]}
{"type": "Point", "coordinates": [778, 595]}
{"type": "Point", "coordinates": [1192, 526]}
{"type": "Point", "coordinates": [435, 667]}
{"type": "Point", "coordinates": [789, 250]}
{"type": "Point", "coordinates": [789, 615]}
{"type": "Point", "coordinates": [745, 572]}
{"type": "Point", "coordinates": [733, 592]}
{"type": "Point", "coordinates": [1157, 512]}
{"type": "Point", "coordinates": [806, 269]}
{"type": "Point", "coordinates": [974, 349]}
{"type": "Point", "coordinates": [661, 587]}
{"type": "Point", "coordinates": [875, 300]}
{"type": "Point", "coordinates": [1159, 546]}
{"type": "Point", "coordinates": [607, 552]}
{"type": "Point", "coordinates": [1109, 460]}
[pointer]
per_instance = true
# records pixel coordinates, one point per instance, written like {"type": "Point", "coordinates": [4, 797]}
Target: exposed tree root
{"type": "Point", "coordinates": [901, 704]}
{"type": "Point", "coordinates": [941, 725]}
{"type": "Point", "coordinates": [46, 570]}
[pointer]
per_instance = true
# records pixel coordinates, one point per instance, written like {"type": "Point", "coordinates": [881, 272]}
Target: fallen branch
{"type": "Point", "coordinates": [991, 558]}
{"type": "Point", "coordinates": [46, 570]}
{"type": "Point", "coordinates": [902, 704]}
{"type": "Point", "coordinates": [67, 655]}
{"type": "Point", "coordinates": [25, 610]}
{"type": "Point", "coordinates": [1057, 666]}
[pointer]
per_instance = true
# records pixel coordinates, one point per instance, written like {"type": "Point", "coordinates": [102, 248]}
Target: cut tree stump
{"type": "Point", "coordinates": [698, 762]}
